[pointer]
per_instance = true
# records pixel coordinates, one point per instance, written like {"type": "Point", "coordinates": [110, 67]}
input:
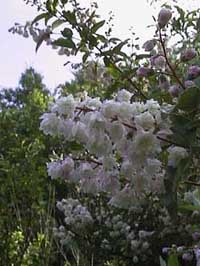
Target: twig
{"type": "Point", "coordinates": [167, 61]}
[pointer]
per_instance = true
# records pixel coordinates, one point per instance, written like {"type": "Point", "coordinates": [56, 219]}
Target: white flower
{"type": "Point", "coordinates": [176, 154]}
{"type": "Point", "coordinates": [109, 163]}
{"type": "Point", "coordinates": [110, 109]}
{"type": "Point", "coordinates": [146, 143]}
{"type": "Point", "coordinates": [86, 170]}
{"type": "Point", "coordinates": [54, 170]}
{"type": "Point", "coordinates": [138, 108]}
{"type": "Point", "coordinates": [65, 128]}
{"type": "Point", "coordinates": [49, 124]}
{"type": "Point", "coordinates": [93, 102]}
{"type": "Point", "coordinates": [109, 181]}
{"type": "Point", "coordinates": [116, 131]}
{"type": "Point", "coordinates": [97, 121]}
{"type": "Point", "coordinates": [125, 111]}
{"type": "Point", "coordinates": [124, 96]}
{"type": "Point", "coordinates": [80, 132]}
{"type": "Point", "coordinates": [152, 106]}
{"type": "Point", "coordinates": [124, 198]}
{"type": "Point", "coordinates": [67, 166]}
{"type": "Point", "coordinates": [100, 145]}
{"type": "Point", "coordinates": [153, 166]}
{"type": "Point", "coordinates": [64, 106]}
{"type": "Point", "coordinates": [127, 169]}
{"type": "Point", "coordinates": [146, 121]}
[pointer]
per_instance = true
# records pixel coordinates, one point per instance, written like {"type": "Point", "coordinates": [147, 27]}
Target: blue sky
{"type": "Point", "coordinates": [18, 53]}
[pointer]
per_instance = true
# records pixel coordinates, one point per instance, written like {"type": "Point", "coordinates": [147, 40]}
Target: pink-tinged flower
{"type": "Point", "coordinates": [175, 90]}
{"type": "Point", "coordinates": [158, 61]}
{"type": "Point", "coordinates": [188, 54]}
{"type": "Point", "coordinates": [193, 72]}
{"type": "Point", "coordinates": [187, 256]}
{"type": "Point", "coordinates": [149, 45]}
{"type": "Point", "coordinates": [165, 250]}
{"type": "Point", "coordinates": [196, 236]}
{"type": "Point", "coordinates": [144, 72]}
{"type": "Point", "coordinates": [164, 16]}
{"type": "Point", "coordinates": [189, 84]}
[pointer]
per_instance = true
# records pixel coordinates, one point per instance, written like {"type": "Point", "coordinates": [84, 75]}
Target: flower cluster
{"type": "Point", "coordinates": [76, 215]}
{"type": "Point", "coordinates": [121, 142]}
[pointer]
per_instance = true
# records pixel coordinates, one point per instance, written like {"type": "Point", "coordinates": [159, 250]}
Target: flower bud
{"type": "Point", "coordinates": [144, 72]}
{"type": "Point", "coordinates": [187, 256]}
{"type": "Point", "coordinates": [188, 54]}
{"type": "Point", "coordinates": [196, 236]}
{"type": "Point", "coordinates": [164, 16]}
{"type": "Point", "coordinates": [189, 84]}
{"type": "Point", "coordinates": [158, 61]}
{"type": "Point", "coordinates": [165, 250]}
{"type": "Point", "coordinates": [180, 249]}
{"type": "Point", "coordinates": [149, 45]}
{"type": "Point", "coordinates": [135, 259]}
{"type": "Point", "coordinates": [193, 72]}
{"type": "Point", "coordinates": [174, 90]}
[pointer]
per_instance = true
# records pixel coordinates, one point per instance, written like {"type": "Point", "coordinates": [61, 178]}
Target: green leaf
{"type": "Point", "coordinates": [41, 39]}
{"type": "Point", "coordinates": [70, 17]}
{"type": "Point", "coordinates": [188, 207]}
{"type": "Point", "coordinates": [92, 41]}
{"type": "Point", "coordinates": [173, 260]}
{"type": "Point", "coordinates": [118, 47]}
{"type": "Point", "coordinates": [189, 100]}
{"type": "Point", "coordinates": [55, 3]}
{"type": "Point", "coordinates": [57, 23]}
{"type": "Point", "coordinates": [68, 43]}
{"type": "Point", "coordinates": [181, 12]}
{"type": "Point", "coordinates": [39, 17]}
{"type": "Point", "coordinates": [97, 26]}
{"type": "Point", "coordinates": [64, 2]}
{"type": "Point", "coordinates": [85, 57]}
{"type": "Point", "coordinates": [106, 61]}
{"type": "Point", "coordinates": [49, 6]}
{"type": "Point", "coordinates": [101, 38]}
{"type": "Point", "coordinates": [67, 33]}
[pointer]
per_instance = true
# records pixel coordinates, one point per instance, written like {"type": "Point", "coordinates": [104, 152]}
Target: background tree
{"type": "Point", "coordinates": [27, 198]}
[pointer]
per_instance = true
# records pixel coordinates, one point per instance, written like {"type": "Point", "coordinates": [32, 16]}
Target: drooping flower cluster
{"type": "Point", "coordinates": [121, 145]}
{"type": "Point", "coordinates": [75, 214]}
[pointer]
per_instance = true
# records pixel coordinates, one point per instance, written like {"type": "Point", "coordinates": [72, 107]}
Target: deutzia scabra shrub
{"type": "Point", "coordinates": [130, 159]}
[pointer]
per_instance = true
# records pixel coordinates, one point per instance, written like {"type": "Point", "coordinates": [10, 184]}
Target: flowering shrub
{"type": "Point", "coordinates": [132, 156]}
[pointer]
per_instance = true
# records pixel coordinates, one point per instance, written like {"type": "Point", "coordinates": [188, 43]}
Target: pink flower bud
{"type": "Point", "coordinates": [188, 54]}
{"type": "Point", "coordinates": [158, 61]}
{"type": "Point", "coordinates": [149, 45]}
{"type": "Point", "coordinates": [187, 257]}
{"type": "Point", "coordinates": [193, 72]}
{"type": "Point", "coordinates": [164, 16]}
{"type": "Point", "coordinates": [196, 236]}
{"type": "Point", "coordinates": [144, 72]}
{"type": "Point", "coordinates": [165, 250]}
{"type": "Point", "coordinates": [189, 84]}
{"type": "Point", "coordinates": [174, 90]}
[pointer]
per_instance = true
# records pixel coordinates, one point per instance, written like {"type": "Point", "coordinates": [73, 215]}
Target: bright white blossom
{"type": "Point", "coordinates": [124, 96]}
{"type": "Point", "coordinates": [119, 139]}
{"type": "Point", "coordinates": [64, 106]}
{"type": "Point", "coordinates": [49, 124]}
{"type": "Point", "coordinates": [145, 120]}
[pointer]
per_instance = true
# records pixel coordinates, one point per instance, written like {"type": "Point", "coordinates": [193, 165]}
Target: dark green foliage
{"type": "Point", "coordinates": [26, 196]}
